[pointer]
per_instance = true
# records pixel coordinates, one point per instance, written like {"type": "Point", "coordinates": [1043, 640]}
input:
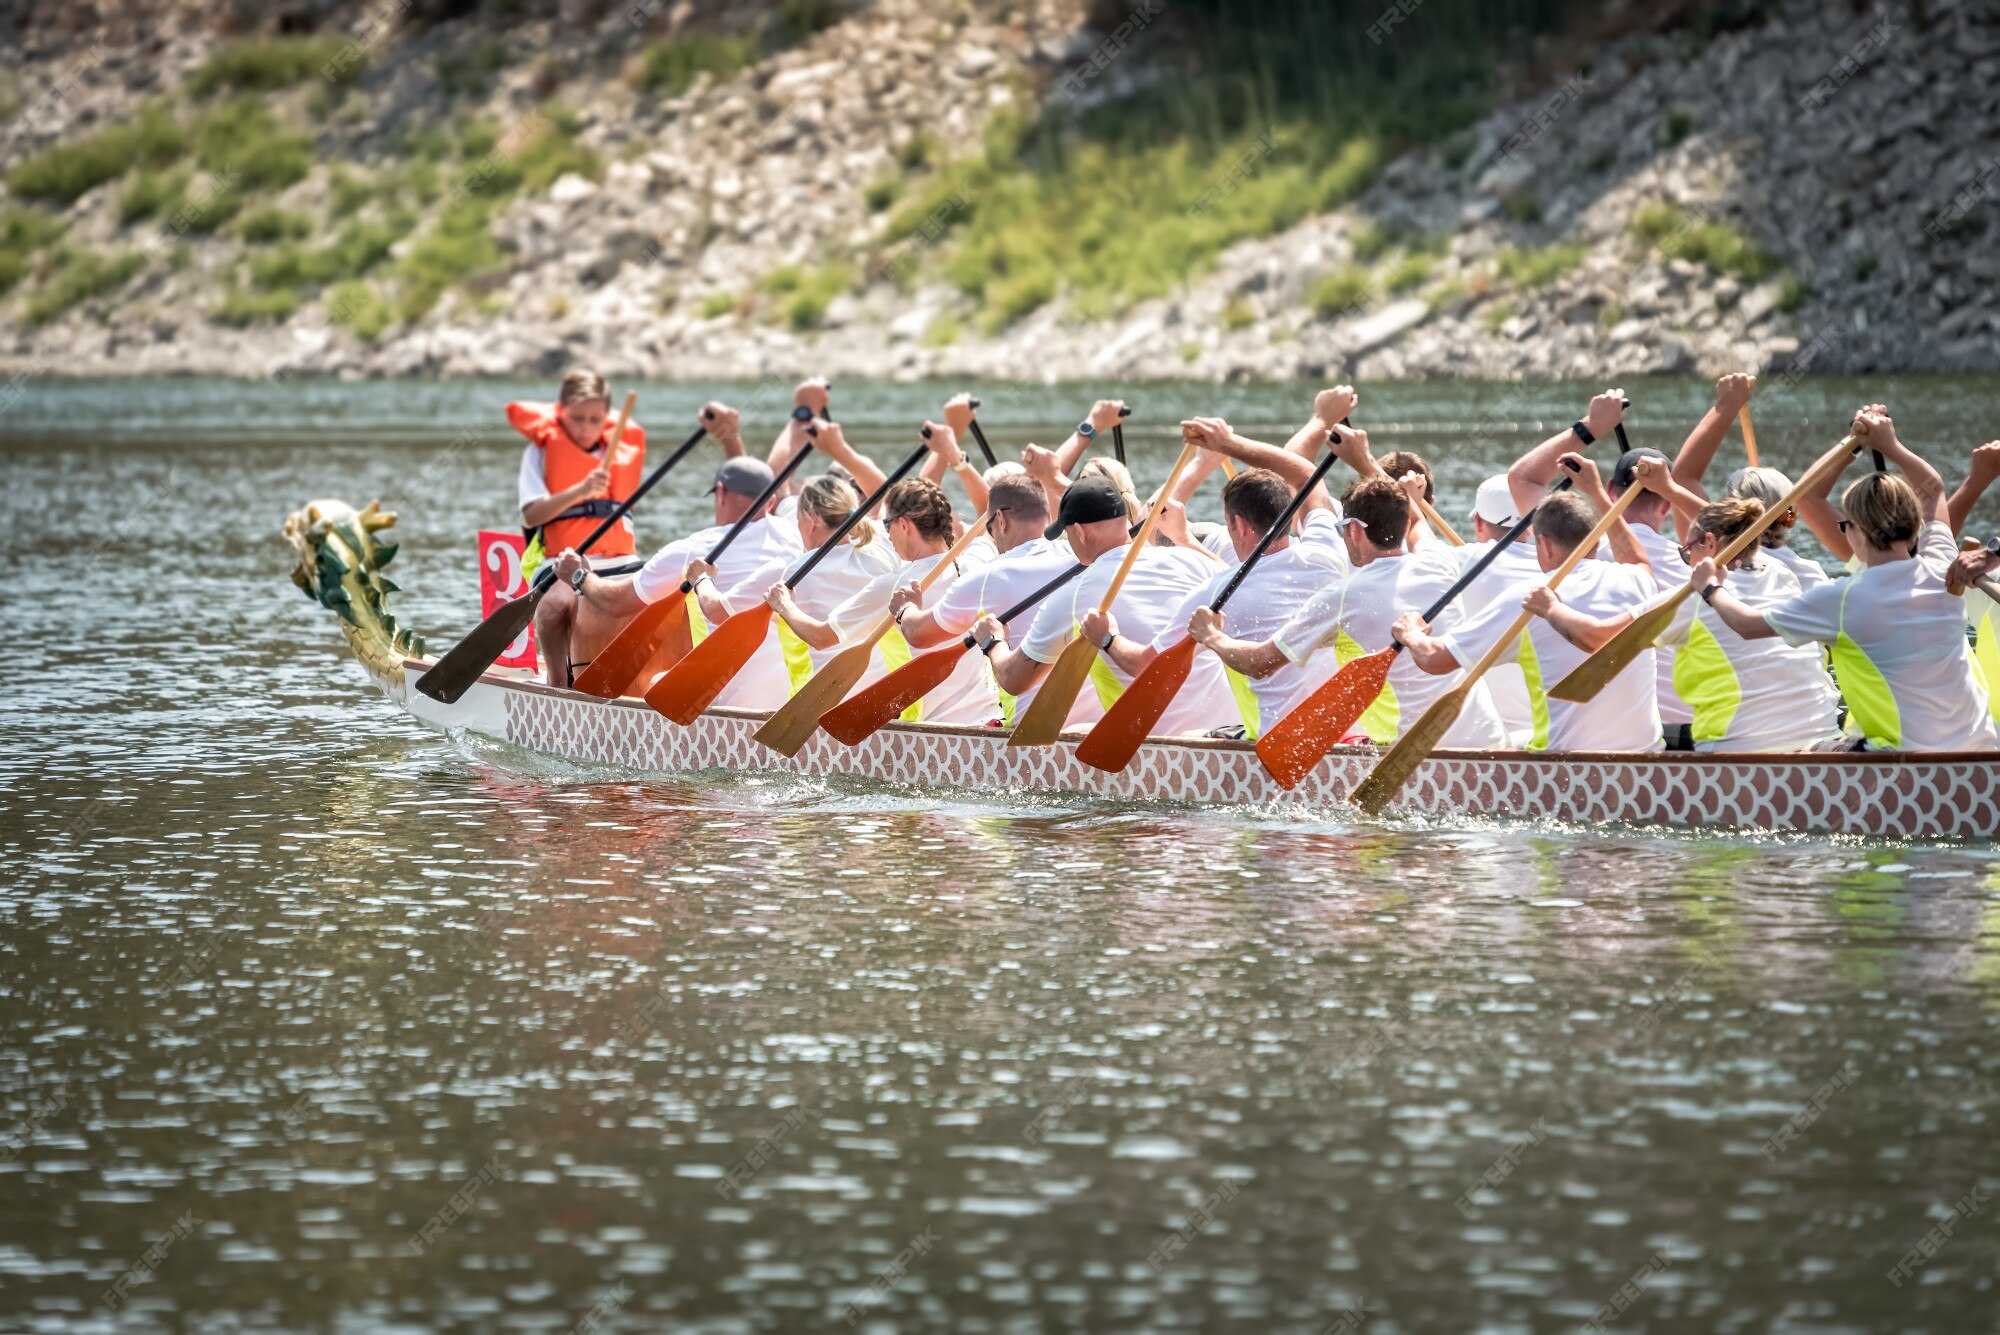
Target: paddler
{"type": "Point", "coordinates": [570, 479]}
{"type": "Point", "coordinates": [586, 609]}
{"type": "Point", "coordinates": [1895, 628]}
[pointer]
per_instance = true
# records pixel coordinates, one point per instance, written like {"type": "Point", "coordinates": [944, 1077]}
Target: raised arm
{"type": "Point", "coordinates": [1698, 450]}
{"type": "Point", "coordinates": [832, 442]}
{"type": "Point", "coordinates": [1822, 517]}
{"type": "Point", "coordinates": [1985, 468]}
{"type": "Point", "coordinates": [1104, 414]}
{"type": "Point", "coordinates": [1625, 548]}
{"type": "Point", "coordinates": [1218, 439]}
{"type": "Point", "coordinates": [1654, 475]}
{"type": "Point", "coordinates": [1330, 407]}
{"type": "Point", "coordinates": [1531, 474]}
{"type": "Point", "coordinates": [950, 455]}
{"type": "Point", "coordinates": [1924, 479]}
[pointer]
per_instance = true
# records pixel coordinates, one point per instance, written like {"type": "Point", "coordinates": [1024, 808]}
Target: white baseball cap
{"type": "Point", "coordinates": [1495, 502]}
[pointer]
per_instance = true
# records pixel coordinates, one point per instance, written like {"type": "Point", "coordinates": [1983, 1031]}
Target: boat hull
{"type": "Point", "coordinates": [1882, 796]}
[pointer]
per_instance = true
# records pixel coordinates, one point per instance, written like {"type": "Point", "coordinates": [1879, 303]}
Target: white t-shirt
{"type": "Point", "coordinates": [1356, 616]}
{"type": "Point", "coordinates": [1625, 716]}
{"type": "Point", "coordinates": [1274, 589]}
{"type": "Point", "coordinates": [1900, 619]}
{"type": "Point", "coordinates": [532, 484]}
{"type": "Point", "coordinates": [844, 572]}
{"type": "Point", "coordinates": [1518, 564]}
{"type": "Point", "coordinates": [1751, 695]}
{"type": "Point", "coordinates": [764, 682]}
{"type": "Point", "coordinates": [1670, 572]}
{"type": "Point", "coordinates": [1806, 571]}
{"type": "Point", "coordinates": [968, 695]}
{"type": "Point", "coordinates": [1161, 580]}
{"type": "Point", "coordinates": [996, 587]}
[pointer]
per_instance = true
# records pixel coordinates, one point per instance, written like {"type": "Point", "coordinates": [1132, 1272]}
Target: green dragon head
{"type": "Point", "coordinates": [340, 567]}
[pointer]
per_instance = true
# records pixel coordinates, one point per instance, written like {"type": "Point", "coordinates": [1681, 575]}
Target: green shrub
{"type": "Point", "coordinates": [459, 246]}
{"type": "Point", "coordinates": [259, 64]}
{"type": "Point", "coordinates": [1338, 292]}
{"type": "Point", "coordinates": [24, 230]}
{"type": "Point", "coordinates": [669, 68]}
{"type": "Point", "coordinates": [811, 291]}
{"type": "Point", "coordinates": [469, 71]}
{"type": "Point", "coordinates": [359, 307]}
{"type": "Point", "coordinates": [80, 275]}
{"type": "Point", "coordinates": [1677, 126]}
{"type": "Point", "coordinates": [63, 173]}
{"type": "Point", "coordinates": [881, 192]}
{"type": "Point", "coordinates": [1610, 315]}
{"type": "Point", "coordinates": [239, 308]}
{"type": "Point", "coordinates": [1495, 314]}
{"type": "Point", "coordinates": [348, 192]}
{"type": "Point", "coordinates": [12, 266]}
{"type": "Point", "coordinates": [1238, 314]}
{"type": "Point", "coordinates": [942, 332]}
{"type": "Point", "coordinates": [716, 305]}
{"type": "Point", "coordinates": [1537, 267]}
{"type": "Point", "coordinates": [1792, 293]}
{"type": "Point", "coordinates": [797, 20]}
{"type": "Point", "coordinates": [783, 279]}
{"type": "Point", "coordinates": [915, 153]}
{"type": "Point", "coordinates": [1521, 206]}
{"type": "Point", "coordinates": [243, 138]}
{"type": "Point", "coordinates": [261, 227]}
{"type": "Point", "coordinates": [1412, 271]}
{"type": "Point", "coordinates": [148, 192]}
{"type": "Point", "coordinates": [1369, 241]}
{"type": "Point", "coordinates": [1025, 289]}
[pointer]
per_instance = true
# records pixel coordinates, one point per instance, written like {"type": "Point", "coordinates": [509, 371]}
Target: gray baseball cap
{"type": "Point", "coordinates": [743, 475]}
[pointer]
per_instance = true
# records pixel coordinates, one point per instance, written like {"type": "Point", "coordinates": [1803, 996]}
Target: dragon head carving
{"type": "Point", "coordinates": [339, 566]}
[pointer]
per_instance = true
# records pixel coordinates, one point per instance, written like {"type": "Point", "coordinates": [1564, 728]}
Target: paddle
{"type": "Point", "coordinates": [1111, 745]}
{"type": "Point", "coordinates": [980, 436]}
{"type": "Point", "coordinates": [620, 662]}
{"type": "Point", "coordinates": [1300, 740]}
{"type": "Point", "coordinates": [691, 685]}
{"type": "Point", "coordinates": [1590, 676]}
{"type": "Point", "coordinates": [798, 718]}
{"type": "Point", "coordinates": [1043, 720]}
{"type": "Point", "coordinates": [1394, 769]}
{"type": "Point", "coordinates": [1749, 434]}
{"type": "Point", "coordinates": [859, 718]}
{"type": "Point", "coordinates": [1118, 437]}
{"type": "Point", "coordinates": [453, 674]}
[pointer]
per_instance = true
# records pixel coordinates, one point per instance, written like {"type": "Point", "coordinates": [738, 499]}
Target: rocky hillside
{"type": "Point", "coordinates": [867, 189]}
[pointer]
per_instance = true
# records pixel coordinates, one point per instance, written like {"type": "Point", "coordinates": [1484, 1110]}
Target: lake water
{"type": "Point", "coordinates": [311, 1021]}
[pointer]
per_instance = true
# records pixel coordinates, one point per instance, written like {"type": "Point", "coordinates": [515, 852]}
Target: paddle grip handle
{"type": "Point", "coordinates": [1118, 439]}
{"type": "Point", "coordinates": [984, 448]}
{"type": "Point", "coordinates": [859, 513]}
{"type": "Point", "coordinates": [784, 476]}
{"type": "Point", "coordinates": [1283, 524]}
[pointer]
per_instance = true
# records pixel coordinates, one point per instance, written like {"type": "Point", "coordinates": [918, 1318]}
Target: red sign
{"type": "Point", "coordinates": [500, 582]}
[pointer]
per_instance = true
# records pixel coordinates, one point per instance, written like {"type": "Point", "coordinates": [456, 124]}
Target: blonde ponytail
{"type": "Point", "coordinates": [831, 500]}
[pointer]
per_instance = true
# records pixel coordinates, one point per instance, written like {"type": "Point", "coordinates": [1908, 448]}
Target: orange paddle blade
{"type": "Point", "coordinates": [617, 665]}
{"type": "Point", "coordinates": [692, 684]}
{"type": "Point", "coordinates": [865, 712]}
{"type": "Point", "coordinates": [1116, 738]}
{"type": "Point", "coordinates": [1301, 739]}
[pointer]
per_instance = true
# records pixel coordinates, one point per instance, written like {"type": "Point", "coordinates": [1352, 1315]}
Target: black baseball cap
{"type": "Point", "coordinates": [1089, 500]}
{"type": "Point", "coordinates": [1627, 467]}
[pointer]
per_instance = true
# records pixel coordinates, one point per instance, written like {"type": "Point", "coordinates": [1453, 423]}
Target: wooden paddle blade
{"type": "Point", "coordinates": [868, 711]}
{"type": "Point", "coordinates": [1118, 735]}
{"type": "Point", "coordinates": [617, 665]}
{"type": "Point", "coordinates": [1594, 673]}
{"type": "Point", "coordinates": [452, 675]}
{"type": "Point", "coordinates": [1301, 739]}
{"type": "Point", "coordinates": [798, 718]}
{"type": "Point", "coordinates": [1379, 789]}
{"type": "Point", "coordinates": [1042, 721]}
{"type": "Point", "coordinates": [692, 684]}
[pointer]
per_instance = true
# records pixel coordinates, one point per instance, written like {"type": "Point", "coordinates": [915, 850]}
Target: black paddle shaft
{"type": "Point", "coordinates": [859, 513]}
{"type": "Point", "coordinates": [784, 476]}
{"type": "Point", "coordinates": [666, 466]}
{"type": "Point", "coordinates": [980, 436]}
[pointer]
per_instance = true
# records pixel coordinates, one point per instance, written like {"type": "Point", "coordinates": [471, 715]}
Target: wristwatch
{"type": "Point", "coordinates": [1108, 638]}
{"type": "Point", "coordinates": [1583, 433]}
{"type": "Point", "coordinates": [1086, 430]}
{"type": "Point", "coordinates": [576, 580]}
{"type": "Point", "coordinates": [1708, 592]}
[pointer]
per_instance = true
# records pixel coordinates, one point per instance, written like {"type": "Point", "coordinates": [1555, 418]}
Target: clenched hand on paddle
{"type": "Point", "coordinates": [453, 674]}
{"type": "Point", "coordinates": [692, 684]}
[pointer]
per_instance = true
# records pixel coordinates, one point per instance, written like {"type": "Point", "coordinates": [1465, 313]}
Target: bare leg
{"type": "Point", "coordinates": [590, 631]}
{"type": "Point", "coordinates": [554, 619]}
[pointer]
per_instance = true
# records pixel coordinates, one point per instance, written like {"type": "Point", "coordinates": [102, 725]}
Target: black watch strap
{"type": "Point", "coordinates": [1583, 433]}
{"type": "Point", "coordinates": [1708, 592]}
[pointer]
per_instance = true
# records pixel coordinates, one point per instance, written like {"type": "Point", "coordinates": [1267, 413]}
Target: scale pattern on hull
{"type": "Point", "coordinates": [1904, 797]}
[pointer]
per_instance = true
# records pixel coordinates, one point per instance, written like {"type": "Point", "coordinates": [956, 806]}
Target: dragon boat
{"type": "Point", "coordinates": [1912, 797]}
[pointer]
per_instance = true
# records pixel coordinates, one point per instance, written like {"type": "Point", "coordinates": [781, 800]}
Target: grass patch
{"type": "Point", "coordinates": [80, 275]}
{"type": "Point", "coordinates": [1496, 314]}
{"type": "Point", "coordinates": [1238, 314]}
{"type": "Point", "coordinates": [238, 308]}
{"type": "Point", "coordinates": [1370, 241]}
{"type": "Point", "coordinates": [942, 331]}
{"type": "Point", "coordinates": [881, 192]}
{"type": "Point", "coordinates": [243, 138]}
{"type": "Point", "coordinates": [1610, 315]}
{"type": "Point", "coordinates": [1538, 266]}
{"type": "Point", "coordinates": [669, 68]}
{"type": "Point", "coordinates": [260, 64]}
{"type": "Point", "coordinates": [1410, 272]}
{"type": "Point", "coordinates": [348, 192]}
{"type": "Point", "coordinates": [1343, 291]}
{"type": "Point", "coordinates": [457, 248]}
{"type": "Point", "coordinates": [469, 71]}
{"type": "Point", "coordinates": [716, 305]}
{"type": "Point", "coordinates": [1522, 206]}
{"type": "Point", "coordinates": [1792, 293]}
{"type": "Point", "coordinates": [358, 248]}
{"type": "Point", "coordinates": [263, 226]}
{"type": "Point", "coordinates": [808, 292]}
{"type": "Point", "coordinates": [1677, 126]}
{"type": "Point", "coordinates": [360, 308]}
{"type": "Point", "coordinates": [149, 192]}
{"type": "Point", "coordinates": [63, 173]}
{"type": "Point", "coordinates": [1718, 245]}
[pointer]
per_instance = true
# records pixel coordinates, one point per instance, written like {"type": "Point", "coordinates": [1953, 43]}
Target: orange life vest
{"type": "Point", "coordinates": [564, 464]}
